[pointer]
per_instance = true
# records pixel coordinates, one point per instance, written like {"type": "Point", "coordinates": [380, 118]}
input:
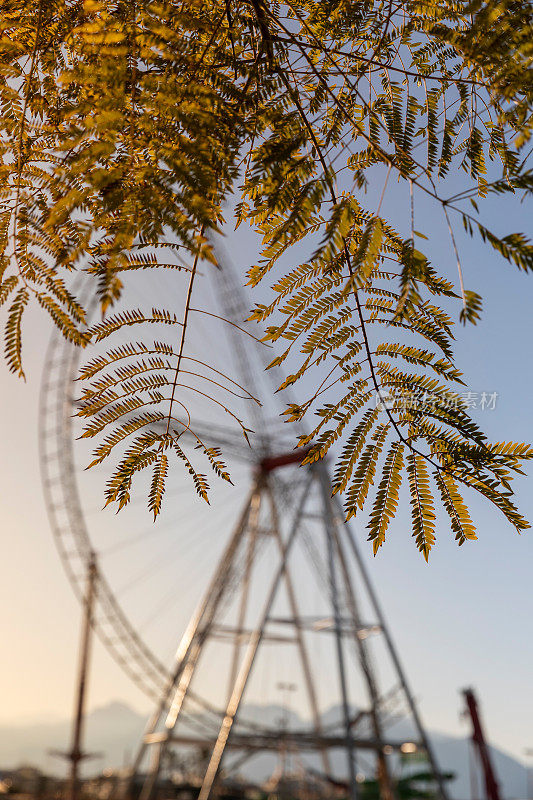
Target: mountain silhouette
{"type": "Point", "coordinates": [114, 731]}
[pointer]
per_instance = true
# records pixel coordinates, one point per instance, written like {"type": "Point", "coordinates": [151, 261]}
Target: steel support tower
{"type": "Point", "coordinates": [280, 511]}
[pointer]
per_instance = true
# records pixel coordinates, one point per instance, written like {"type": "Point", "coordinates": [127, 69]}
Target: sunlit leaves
{"type": "Point", "coordinates": [13, 332]}
{"type": "Point", "coordinates": [367, 303]}
{"type": "Point", "coordinates": [125, 130]}
{"type": "Point", "coordinates": [386, 502]}
{"type": "Point", "coordinates": [116, 138]}
{"type": "Point", "coordinates": [460, 521]}
{"type": "Point", "coordinates": [422, 509]}
{"type": "Point", "coordinates": [471, 310]}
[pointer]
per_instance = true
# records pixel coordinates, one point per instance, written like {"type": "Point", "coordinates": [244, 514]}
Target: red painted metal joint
{"type": "Point", "coordinates": [270, 463]}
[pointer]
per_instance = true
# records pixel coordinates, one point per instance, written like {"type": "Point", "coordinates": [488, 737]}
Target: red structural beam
{"type": "Point", "coordinates": [270, 463]}
{"type": "Point", "coordinates": [491, 784]}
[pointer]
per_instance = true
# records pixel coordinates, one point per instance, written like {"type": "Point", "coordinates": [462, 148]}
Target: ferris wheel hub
{"type": "Point", "coordinates": [270, 463]}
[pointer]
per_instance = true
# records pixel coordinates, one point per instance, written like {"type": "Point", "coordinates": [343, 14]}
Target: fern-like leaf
{"type": "Point", "coordinates": [461, 523]}
{"type": "Point", "coordinates": [422, 510]}
{"type": "Point", "coordinates": [386, 502]}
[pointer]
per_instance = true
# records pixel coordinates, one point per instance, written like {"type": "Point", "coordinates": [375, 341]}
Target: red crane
{"type": "Point", "coordinates": [491, 784]}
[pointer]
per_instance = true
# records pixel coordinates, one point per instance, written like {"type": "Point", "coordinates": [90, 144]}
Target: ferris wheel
{"type": "Point", "coordinates": [286, 574]}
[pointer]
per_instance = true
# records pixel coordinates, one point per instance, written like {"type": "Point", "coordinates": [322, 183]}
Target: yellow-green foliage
{"type": "Point", "coordinates": [124, 128]}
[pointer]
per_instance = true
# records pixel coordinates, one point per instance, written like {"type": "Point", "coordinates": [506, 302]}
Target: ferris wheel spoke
{"type": "Point", "coordinates": [130, 541]}
{"type": "Point", "coordinates": [162, 560]}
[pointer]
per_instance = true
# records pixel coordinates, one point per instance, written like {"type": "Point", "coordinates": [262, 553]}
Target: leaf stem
{"type": "Point", "coordinates": [183, 331]}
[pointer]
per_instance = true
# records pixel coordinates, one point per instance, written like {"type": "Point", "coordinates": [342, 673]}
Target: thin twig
{"type": "Point", "coordinates": [183, 331]}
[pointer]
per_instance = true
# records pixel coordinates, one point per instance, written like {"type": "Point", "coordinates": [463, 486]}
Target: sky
{"type": "Point", "coordinates": [463, 619]}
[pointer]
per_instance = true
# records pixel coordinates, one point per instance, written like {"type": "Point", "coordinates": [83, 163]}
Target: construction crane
{"type": "Point", "coordinates": [492, 790]}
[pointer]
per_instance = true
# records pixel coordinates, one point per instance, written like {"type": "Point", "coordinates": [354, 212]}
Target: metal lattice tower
{"type": "Point", "coordinates": [363, 730]}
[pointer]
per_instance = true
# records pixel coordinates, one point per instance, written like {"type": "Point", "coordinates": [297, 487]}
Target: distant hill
{"type": "Point", "coordinates": [115, 730]}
